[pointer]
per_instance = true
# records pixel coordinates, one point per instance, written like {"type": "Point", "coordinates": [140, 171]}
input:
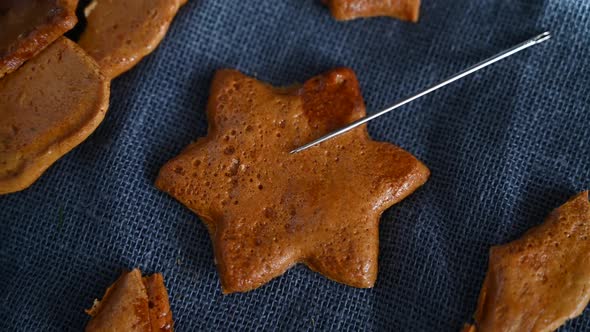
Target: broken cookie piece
{"type": "Point", "coordinates": [267, 209]}
{"type": "Point", "coordinates": [541, 280]}
{"type": "Point", "coordinates": [47, 107]}
{"type": "Point", "coordinates": [28, 26]}
{"type": "Point", "coordinates": [133, 303]}
{"type": "Point", "coordinates": [342, 10]}
{"type": "Point", "coordinates": [120, 33]}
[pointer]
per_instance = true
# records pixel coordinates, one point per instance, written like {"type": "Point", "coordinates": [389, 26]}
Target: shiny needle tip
{"type": "Point", "coordinates": [542, 37]}
{"type": "Point", "coordinates": [502, 55]}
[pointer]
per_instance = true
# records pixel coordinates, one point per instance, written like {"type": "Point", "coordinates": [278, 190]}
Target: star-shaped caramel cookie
{"type": "Point", "coordinates": [266, 209]}
{"type": "Point", "coordinates": [541, 280]}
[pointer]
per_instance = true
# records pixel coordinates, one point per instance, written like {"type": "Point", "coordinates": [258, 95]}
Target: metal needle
{"type": "Point", "coordinates": [504, 54]}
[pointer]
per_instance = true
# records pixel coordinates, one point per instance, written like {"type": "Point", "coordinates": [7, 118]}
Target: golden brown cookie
{"type": "Point", "coordinates": [267, 209]}
{"type": "Point", "coordinates": [47, 107]}
{"type": "Point", "coordinates": [407, 10]}
{"type": "Point", "coordinates": [541, 280]}
{"type": "Point", "coordinates": [132, 304]}
{"type": "Point", "coordinates": [120, 33]}
{"type": "Point", "coordinates": [28, 26]}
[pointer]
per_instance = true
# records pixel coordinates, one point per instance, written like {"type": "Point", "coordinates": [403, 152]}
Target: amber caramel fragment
{"type": "Point", "coordinates": [541, 280]}
{"type": "Point", "coordinates": [407, 10]}
{"type": "Point", "coordinates": [120, 33]}
{"type": "Point", "coordinates": [28, 26]}
{"type": "Point", "coordinates": [133, 304]}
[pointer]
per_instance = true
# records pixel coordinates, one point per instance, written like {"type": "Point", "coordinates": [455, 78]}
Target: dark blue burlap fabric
{"type": "Point", "coordinates": [505, 147]}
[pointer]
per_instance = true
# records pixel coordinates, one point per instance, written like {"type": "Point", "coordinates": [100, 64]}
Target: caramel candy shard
{"type": "Point", "coordinates": [160, 313]}
{"type": "Point", "coordinates": [120, 33]}
{"type": "Point", "coordinates": [47, 107]}
{"type": "Point", "coordinates": [342, 10]}
{"type": "Point", "coordinates": [131, 304]}
{"type": "Point", "coordinates": [28, 26]}
{"type": "Point", "coordinates": [267, 209]}
{"type": "Point", "coordinates": [541, 280]}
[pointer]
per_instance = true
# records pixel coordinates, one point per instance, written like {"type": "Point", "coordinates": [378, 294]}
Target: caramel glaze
{"type": "Point", "coordinates": [407, 10]}
{"type": "Point", "coordinates": [133, 304]}
{"type": "Point", "coordinates": [266, 209]}
{"type": "Point", "coordinates": [28, 26]}
{"type": "Point", "coordinates": [120, 33]}
{"type": "Point", "coordinates": [47, 107]}
{"type": "Point", "coordinates": [541, 280]}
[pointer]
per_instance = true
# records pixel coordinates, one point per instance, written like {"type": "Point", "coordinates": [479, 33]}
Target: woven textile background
{"type": "Point", "coordinates": [505, 147]}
